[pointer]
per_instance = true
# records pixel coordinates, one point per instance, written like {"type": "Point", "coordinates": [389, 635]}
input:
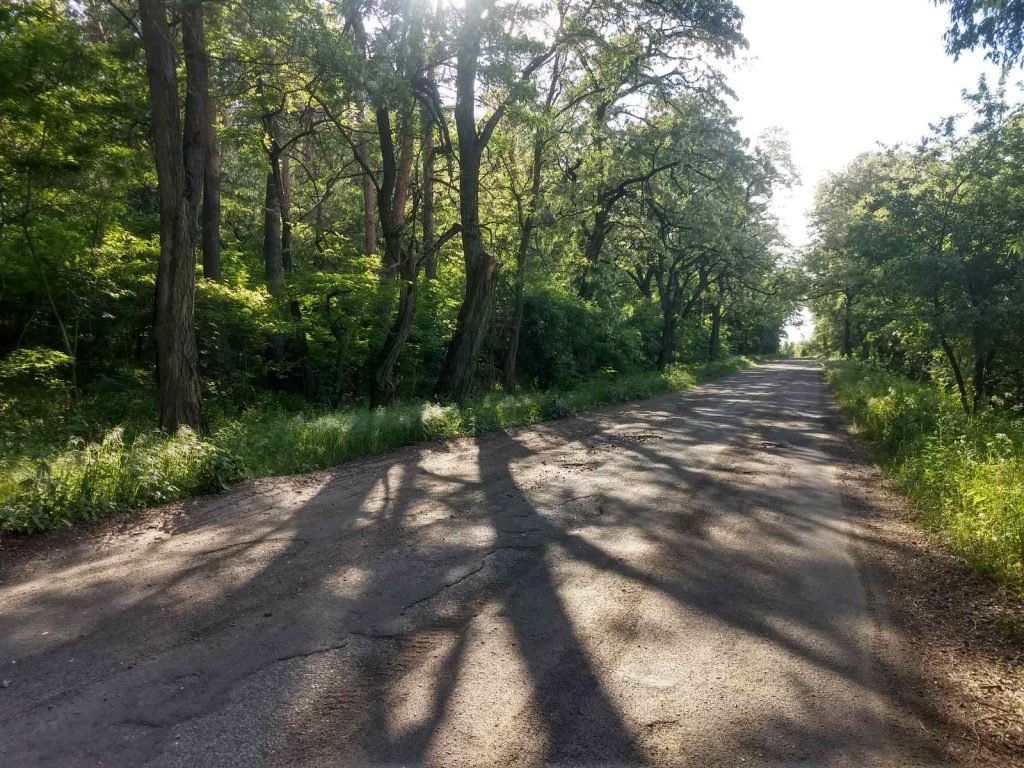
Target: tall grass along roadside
{"type": "Point", "coordinates": [965, 473]}
{"type": "Point", "coordinates": [86, 480]}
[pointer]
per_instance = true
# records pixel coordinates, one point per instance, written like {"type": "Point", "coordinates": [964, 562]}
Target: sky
{"type": "Point", "coordinates": [840, 76]}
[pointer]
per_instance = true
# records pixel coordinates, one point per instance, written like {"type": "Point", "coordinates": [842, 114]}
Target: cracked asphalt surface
{"type": "Point", "coordinates": [668, 583]}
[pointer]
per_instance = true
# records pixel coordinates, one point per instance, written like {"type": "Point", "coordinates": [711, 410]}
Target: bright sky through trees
{"type": "Point", "coordinates": [841, 77]}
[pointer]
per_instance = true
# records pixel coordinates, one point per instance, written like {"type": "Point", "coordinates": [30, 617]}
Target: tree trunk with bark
{"type": "Point", "coordinates": [273, 263]}
{"type": "Point", "coordinates": [847, 324]}
{"type": "Point", "coordinates": [522, 256]}
{"type": "Point", "coordinates": [382, 386]}
{"type": "Point", "coordinates": [596, 236]}
{"type": "Point", "coordinates": [526, 233]}
{"type": "Point", "coordinates": [399, 263]}
{"type": "Point", "coordinates": [715, 343]}
{"type": "Point", "coordinates": [958, 375]}
{"type": "Point", "coordinates": [211, 198]}
{"type": "Point", "coordinates": [178, 146]}
{"type": "Point", "coordinates": [481, 267]}
{"type": "Point", "coordinates": [669, 322]}
{"type": "Point", "coordinates": [362, 153]}
{"type": "Point", "coordinates": [980, 381]}
{"type": "Point", "coordinates": [518, 311]}
{"type": "Point", "coordinates": [427, 192]}
{"type": "Point", "coordinates": [284, 204]}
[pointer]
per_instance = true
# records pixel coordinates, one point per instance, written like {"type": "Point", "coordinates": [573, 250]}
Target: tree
{"type": "Point", "coordinates": [926, 241]}
{"type": "Point", "coordinates": [481, 17]}
{"type": "Point", "coordinates": [346, 147]}
{"type": "Point", "coordinates": [707, 213]}
{"type": "Point", "coordinates": [639, 52]}
{"type": "Point", "coordinates": [179, 148]}
{"type": "Point", "coordinates": [998, 27]}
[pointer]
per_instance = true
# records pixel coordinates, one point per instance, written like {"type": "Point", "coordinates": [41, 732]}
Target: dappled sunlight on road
{"type": "Point", "coordinates": [666, 583]}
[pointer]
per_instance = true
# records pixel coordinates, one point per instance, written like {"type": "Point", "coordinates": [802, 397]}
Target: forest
{"type": "Point", "coordinates": [229, 216]}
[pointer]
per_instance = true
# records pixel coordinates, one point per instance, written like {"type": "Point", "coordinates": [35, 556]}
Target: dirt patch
{"type": "Point", "coordinates": [639, 437]}
{"type": "Point", "coordinates": [966, 636]}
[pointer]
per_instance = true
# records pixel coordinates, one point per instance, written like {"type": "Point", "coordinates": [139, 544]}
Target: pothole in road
{"type": "Point", "coordinates": [639, 437]}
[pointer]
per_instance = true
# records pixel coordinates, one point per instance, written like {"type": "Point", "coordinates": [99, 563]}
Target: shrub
{"type": "Point", "coordinates": [89, 480]}
{"type": "Point", "coordinates": [84, 480]}
{"type": "Point", "coordinates": [965, 473]}
{"type": "Point", "coordinates": [566, 340]}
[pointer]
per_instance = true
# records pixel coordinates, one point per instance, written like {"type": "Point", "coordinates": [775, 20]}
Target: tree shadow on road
{"type": "Point", "coordinates": [353, 639]}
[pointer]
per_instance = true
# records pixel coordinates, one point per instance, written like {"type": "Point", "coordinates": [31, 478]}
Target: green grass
{"type": "Point", "coordinates": [965, 473]}
{"type": "Point", "coordinates": [43, 487]}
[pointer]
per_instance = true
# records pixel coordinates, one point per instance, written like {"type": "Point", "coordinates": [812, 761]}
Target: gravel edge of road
{"type": "Point", "coordinates": [964, 671]}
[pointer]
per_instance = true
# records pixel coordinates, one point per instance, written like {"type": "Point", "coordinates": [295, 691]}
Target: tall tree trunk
{"type": "Point", "coordinates": [400, 262]}
{"type": "Point", "coordinates": [481, 267]}
{"type": "Point", "coordinates": [526, 235]}
{"type": "Point", "coordinates": [273, 263]}
{"type": "Point", "coordinates": [715, 345]}
{"type": "Point", "coordinates": [847, 324]}
{"type": "Point", "coordinates": [474, 315]}
{"type": "Point", "coordinates": [427, 150]}
{"type": "Point", "coordinates": [980, 383]}
{"type": "Point", "coordinates": [284, 191]}
{"type": "Point", "coordinates": [178, 148]}
{"type": "Point", "coordinates": [395, 184]}
{"type": "Point", "coordinates": [669, 321]}
{"type": "Point", "coordinates": [523, 252]}
{"type": "Point", "coordinates": [518, 311]}
{"type": "Point", "coordinates": [406, 158]}
{"type": "Point", "coordinates": [383, 389]}
{"type": "Point", "coordinates": [592, 251]}
{"type": "Point", "coordinates": [211, 198]}
{"type": "Point", "coordinates": [958, 375]}
{"type": "Point", "coordinates": [362, 153]}
{"type": "Point", "coordinates": [273, 270]}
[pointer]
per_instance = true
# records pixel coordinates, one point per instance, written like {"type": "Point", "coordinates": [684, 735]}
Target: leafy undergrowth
{"type": "Point", "coordinates": [45, 489]}
{"type": "Point", "coordinates": [965, 473]}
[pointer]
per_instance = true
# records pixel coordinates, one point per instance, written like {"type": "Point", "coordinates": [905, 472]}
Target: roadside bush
{"type": "Point", "coordinates": [964, 472]}
{"type": "Point", "coordinates": [85, 480]}
{"type": "Point", "coordinates": [566, 340]}
{"type": "Point", "coordinates": [90, 480]}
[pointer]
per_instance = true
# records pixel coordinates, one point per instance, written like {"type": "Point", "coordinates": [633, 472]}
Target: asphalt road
{"type": "Point", "coordinates": [667, 583]}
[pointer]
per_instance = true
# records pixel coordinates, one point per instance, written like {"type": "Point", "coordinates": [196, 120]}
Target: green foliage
{"type": "Point", "coordinates": [566, 340]}
{"type": "Point", "coordinates": [965, 472]}
{"type": "Point", "coordinates": [618, 204]}
{"type": "Point", "coordinates": [997, 26]}
{"type": "Point", "coordinates": [85, 480]}
{"type": "Point", "coordinates": [48, 367]}
{"type": "Point", "coordinates": [915, 260]}
{"type": "Point", "coordinates": [89, 480]}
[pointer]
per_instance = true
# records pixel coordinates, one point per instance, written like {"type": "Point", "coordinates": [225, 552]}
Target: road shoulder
{"type": "Point", "coordinates": [959, 639]}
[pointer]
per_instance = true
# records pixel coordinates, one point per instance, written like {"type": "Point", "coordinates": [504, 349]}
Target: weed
{"type": "Point", "coordinates": [965, 473]}
{"type": "Point", "coordinates": [45, 486]}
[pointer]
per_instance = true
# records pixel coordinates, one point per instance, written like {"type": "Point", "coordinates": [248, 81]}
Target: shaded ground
{"type": "Point", "coordinates": [965, 637]}
{"type": "Point", "coordinates": [677, 582]}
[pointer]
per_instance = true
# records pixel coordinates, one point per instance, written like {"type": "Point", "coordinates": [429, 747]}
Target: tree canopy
{"type": "Point", "coordinates": [997, 27]}
{"type": "Point", "coordinates": [917, 261]}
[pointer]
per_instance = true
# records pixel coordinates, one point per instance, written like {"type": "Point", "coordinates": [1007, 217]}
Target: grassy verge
{"type": "Point", "coordinates": [965, 473]}
{"type": "Point", "coordinates": [86, 480]}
